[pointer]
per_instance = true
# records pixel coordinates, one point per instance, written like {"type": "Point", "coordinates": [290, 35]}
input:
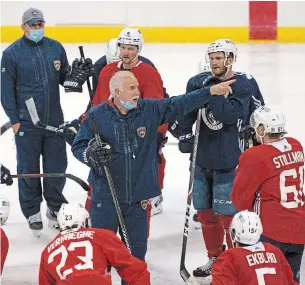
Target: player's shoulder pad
{"type": "Point", "coordinates": [109, 67]}
{"type": "Point", "coordinates": [246, 76]}
{"type": "Point", "coordinates": [145, 65]}
{"type": "Point", "coordinates": [196, 82]}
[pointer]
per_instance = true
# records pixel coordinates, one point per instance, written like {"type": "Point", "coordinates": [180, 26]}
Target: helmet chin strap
{"type": "Point", "coordinates": [261, 138]}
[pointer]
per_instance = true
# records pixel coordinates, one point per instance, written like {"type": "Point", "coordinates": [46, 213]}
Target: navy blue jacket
{"type": "Point", "coordinates": [102, 62]}
{"type": "Point", "coordinates": [218, 146]}
{"type": "Point", "coordinates": [37, 70]}
{"type": "Point", "coordinates": [133, 138]}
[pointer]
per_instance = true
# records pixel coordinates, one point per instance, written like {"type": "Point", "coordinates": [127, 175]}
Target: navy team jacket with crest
{"type": "Point", "coordinates": [30, 69]}
{"type": "Point", "coordinates": [219, 146]}
{"type": "Point", "coordinates": [133, 139]}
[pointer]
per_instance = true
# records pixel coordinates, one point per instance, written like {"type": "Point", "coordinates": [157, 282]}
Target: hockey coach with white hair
{"type": "Point", "coordinates": [128, 127]}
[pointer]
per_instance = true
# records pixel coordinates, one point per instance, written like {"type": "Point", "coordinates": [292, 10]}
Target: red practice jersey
{"type": "Point", "coordinates": [4, 248]}
{"type": "Point", "coordinates": [269, 180]}
{"type": "Point", "coordinates": [85, 255]}
{"type": "Point", "coordinates": [259, 264]}
{"type": "Point", "coordinates": [150, 83]}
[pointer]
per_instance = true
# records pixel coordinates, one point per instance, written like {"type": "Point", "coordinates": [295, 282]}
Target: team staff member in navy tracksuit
{"type": "Point", "coordinates": [35, 65]}
{"type": "Point", "coordinates": [128, 128]}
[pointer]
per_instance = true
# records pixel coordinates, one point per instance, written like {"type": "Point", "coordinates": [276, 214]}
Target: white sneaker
{"type": "Point", "coordinates": [156, 205]}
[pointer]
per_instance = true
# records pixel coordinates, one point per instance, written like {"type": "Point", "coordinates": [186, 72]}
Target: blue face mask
{"type": "Point", "coordinates": [36, 35]}
{"type": "Point", "coordinates": [127, 105]}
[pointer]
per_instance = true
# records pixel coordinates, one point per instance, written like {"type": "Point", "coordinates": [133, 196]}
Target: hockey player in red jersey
{"type": "Point", "coordinates": [269, 180]}
{"type": "Point", "coordinates": [251, 262]}
{"type": "Point", "coordinates": [4, 212]}
{"type": "Point", "coordinates": [130, 42]}
{"type": "Point", "coordinates": [80, 255]}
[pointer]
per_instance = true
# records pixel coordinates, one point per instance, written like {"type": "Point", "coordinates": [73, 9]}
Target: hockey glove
{"type": "Point", "coordinates": [69, 131]}
{"type": "Point", "coordinates": [79, 74]}
{"type": "Point", "coordinates": [5, 176]}
{"type": "Point", "coordinates": [186, 143]}
{"type": "Point", "coordinates": [246, 133]}
{"type": "Point", "coordinates": [174, 129]}
{"type": "Point", "coordinates": [161, 141]}
{"type": "Point", "coordinates": [96, 155]}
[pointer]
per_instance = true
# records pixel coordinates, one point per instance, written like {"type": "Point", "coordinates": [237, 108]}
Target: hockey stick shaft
{"type": "Point", "coordinates": [82, 54]}
{"type": "Point", "coordinates": [188, 279]}
{"type": "Point", "coordinates": [112, 188]}
{"type": "Point", "coordinates": [76, 179]}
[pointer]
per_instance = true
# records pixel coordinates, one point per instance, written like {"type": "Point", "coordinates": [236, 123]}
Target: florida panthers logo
{"type": "Point", "coordinates": [210, 121]}
{"type": "Point", "coordinates": [141, 132]}
{"type": "Point", "coordinates": [56, 64]}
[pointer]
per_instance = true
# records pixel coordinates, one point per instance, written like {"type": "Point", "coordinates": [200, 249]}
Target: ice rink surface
{"type": "Point", "coordinates": [280, 73]}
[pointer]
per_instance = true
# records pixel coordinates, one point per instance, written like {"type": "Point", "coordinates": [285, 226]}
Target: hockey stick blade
{"type": "Point", "coordinates": [30, 104]}
{"type": "Point", "coordinates": [188, 279]}
{"type": "Point", "coordinates": [5, 127]}
{"type": "Point", "coordinates": [76, 179]}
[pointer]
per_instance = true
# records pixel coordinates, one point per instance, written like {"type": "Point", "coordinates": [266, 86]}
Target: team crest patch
{"type": "Point", "coordinates": [144, 204]}
{"type": "Point", "coordinates": [141, 132]}
{"type": "Point", "coordinates": [57, 64]}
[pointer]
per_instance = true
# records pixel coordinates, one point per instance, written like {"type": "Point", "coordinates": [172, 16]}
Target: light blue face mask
{"type": "Point", "coordinates": [36, 35]}
{"type": "Point", "coordinates": [127, 105]}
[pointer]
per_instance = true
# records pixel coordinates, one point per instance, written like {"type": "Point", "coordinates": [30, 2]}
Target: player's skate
{"type": "Point", "coordinates": [204, 272]}
{"type": "Point", "coordinates": [156, 205]}
{"type": "Point", "coordinates": [52, 216]}
{"type": "Point", "coordinates": [35, 224]}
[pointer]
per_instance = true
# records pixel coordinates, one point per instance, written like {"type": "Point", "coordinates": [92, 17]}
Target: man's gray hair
{"type": "Point", "coordinates": [116, 80]}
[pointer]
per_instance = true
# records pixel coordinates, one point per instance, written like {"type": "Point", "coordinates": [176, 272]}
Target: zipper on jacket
{"type": "Point", "coordinates": [45, 77]}
{"type": "Point", "coordinates": [128, 151]}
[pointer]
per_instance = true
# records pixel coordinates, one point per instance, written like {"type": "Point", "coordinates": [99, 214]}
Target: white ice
{"type": "Point", "coordinates": [280, 72]}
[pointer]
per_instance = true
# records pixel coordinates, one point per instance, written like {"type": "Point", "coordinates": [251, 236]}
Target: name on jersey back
{"type": "Point", "coordinates": [71, 236]}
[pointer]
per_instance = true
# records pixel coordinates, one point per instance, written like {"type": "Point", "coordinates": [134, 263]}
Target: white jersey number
{"type": "Point", "coordinates": [87, 259]}
{"type": "Point", "coordinates": [285, 190]}
{"type": "Point", "coordinates": [261, 272]}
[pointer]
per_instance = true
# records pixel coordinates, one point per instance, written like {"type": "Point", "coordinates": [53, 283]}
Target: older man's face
{"type": "Point", "coordinates": [130, 90]}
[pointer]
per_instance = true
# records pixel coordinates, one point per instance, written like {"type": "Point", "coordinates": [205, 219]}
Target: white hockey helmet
{"type": "Point", "coordinates": [131, 36]}
{"type": "Point", "coordinates": [72, 216]}
{"type": "Point", "coordinates": [246, 228]}
{"type": "Point", "coordinates": [223, 45]}
{"type": "Point", "coordinates": [273, 120]}
{"type": "Point", "coordinates": [203, 66]}
{"type": "Point", "coordinates": [113, 52]}
{"type": "Point", "coordinates": [4, 210]}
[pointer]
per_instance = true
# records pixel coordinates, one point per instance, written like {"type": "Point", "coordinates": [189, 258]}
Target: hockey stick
{"type": "Point", "coordinates": [76, 179]}
{"type": "Point", "coordinates": [188, 279]}
{"type": "Point", "coordinates": [112, 188]}
{"type": "Point", "coordinates": [90, 104]}
{"type": "Point", "coordinates": [35, 118]}
{"type": "Point", "coordinates": [5, 127]}
{"type": "Point", "coordinates": [30, 104]}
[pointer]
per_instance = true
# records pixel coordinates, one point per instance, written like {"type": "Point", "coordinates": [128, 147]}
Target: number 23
{"type": "Point", "coordinates": [87, 259]}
